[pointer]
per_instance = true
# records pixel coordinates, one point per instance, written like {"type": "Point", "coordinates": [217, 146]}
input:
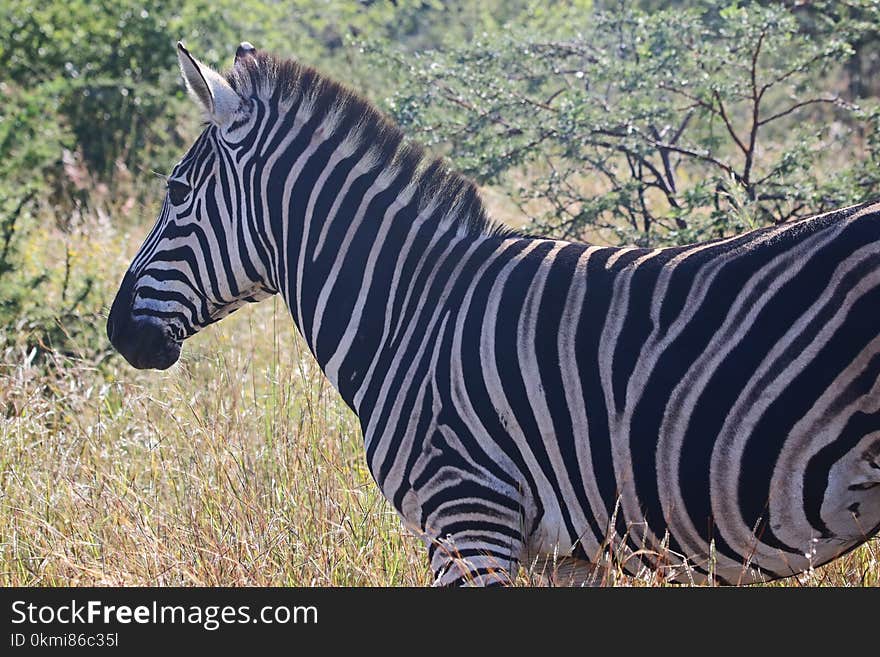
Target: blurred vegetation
{"type": "Point", "coordinates": [657, 126]}
{"type": "Point", "coordinates": [636, 122]}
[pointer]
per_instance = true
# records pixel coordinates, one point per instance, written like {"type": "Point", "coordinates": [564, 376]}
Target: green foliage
{"type": "Point", "coordinates": [651, 128]}
{"type": "Point", "coordinates": [101, 78]}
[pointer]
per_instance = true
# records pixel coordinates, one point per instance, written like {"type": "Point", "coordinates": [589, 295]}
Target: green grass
{"type": "Point", "coordinates": [238, 466]}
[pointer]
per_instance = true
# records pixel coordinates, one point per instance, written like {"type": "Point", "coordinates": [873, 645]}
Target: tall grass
{"type": "Point", "coordinates": [238, 466]}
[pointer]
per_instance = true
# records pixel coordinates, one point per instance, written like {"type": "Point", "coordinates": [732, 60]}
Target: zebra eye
{"type": "Point", "coordinates": [178, 191]}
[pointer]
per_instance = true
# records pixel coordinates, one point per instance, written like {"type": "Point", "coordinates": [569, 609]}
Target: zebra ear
{"type": "Point", "coordinates": [245, 49]}
{"type": "Point", "coordinates": [218, 100]}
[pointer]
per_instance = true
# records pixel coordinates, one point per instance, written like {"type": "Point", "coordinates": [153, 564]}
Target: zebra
{"type": "Point", "coordinates": [709, 412]}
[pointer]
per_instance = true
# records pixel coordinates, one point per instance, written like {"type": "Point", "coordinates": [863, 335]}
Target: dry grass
{"type": "Point", "coordinates": [236, 467]}
{"type": "Point", "coordinates": [239, 466]}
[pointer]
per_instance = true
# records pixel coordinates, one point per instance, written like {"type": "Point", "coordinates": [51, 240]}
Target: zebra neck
{"type": "Point", "coordinates": [361, 241]}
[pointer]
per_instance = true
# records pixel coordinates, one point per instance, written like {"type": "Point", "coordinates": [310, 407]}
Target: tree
{"type": "Point", "coordinates": [650, 128]}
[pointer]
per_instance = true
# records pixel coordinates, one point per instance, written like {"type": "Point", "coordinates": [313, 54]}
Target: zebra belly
{"type": "Point", "coordinates": [557, 526]}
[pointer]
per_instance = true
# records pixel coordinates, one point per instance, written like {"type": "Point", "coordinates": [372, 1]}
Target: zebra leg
{"type": "Point", "coordinates": [470, 514]}
{"type": "Point", "coordinates": [567, 571]}
{"type": "Point", "coordinates": [473, 527]}
{"type": "Point", "coordinates": [469, 553]}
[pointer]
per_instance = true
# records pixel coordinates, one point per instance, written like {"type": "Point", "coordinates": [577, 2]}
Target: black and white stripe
{"type": "Point", "coordinates": [711, 410]}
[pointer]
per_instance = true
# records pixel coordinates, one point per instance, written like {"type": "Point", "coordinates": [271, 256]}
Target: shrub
{"type": "Point", "coordinates": [652, 128]}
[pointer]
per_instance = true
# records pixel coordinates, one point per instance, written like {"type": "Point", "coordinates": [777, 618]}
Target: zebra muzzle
{"type": "Point", "coordinates": [145, 342]}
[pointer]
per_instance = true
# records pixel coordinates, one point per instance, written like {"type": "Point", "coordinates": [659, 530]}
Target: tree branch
{"type": "Point", "coordinates": [705, 157]}
{"type": "Point", "coordinates": [757, 95]}
{"type": "Point", "coordinates": [835, 101]}
{"type": "Point", "coordinates": [723, 114]}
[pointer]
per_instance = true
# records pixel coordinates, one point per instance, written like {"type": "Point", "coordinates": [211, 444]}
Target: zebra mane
{"type": "Point", "coordinates": [287, 83]}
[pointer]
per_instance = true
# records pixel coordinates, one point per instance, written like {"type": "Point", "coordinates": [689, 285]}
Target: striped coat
{"type": "Point", "coordinates": [707, 411]}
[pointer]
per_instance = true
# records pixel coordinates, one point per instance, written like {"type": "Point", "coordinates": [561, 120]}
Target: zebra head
{"type": "Point", "coordinates": [201, 260]}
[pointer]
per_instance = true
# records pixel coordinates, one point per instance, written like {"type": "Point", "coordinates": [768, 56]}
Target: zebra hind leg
{"type": "Point", "coordinates": [567, 571]}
